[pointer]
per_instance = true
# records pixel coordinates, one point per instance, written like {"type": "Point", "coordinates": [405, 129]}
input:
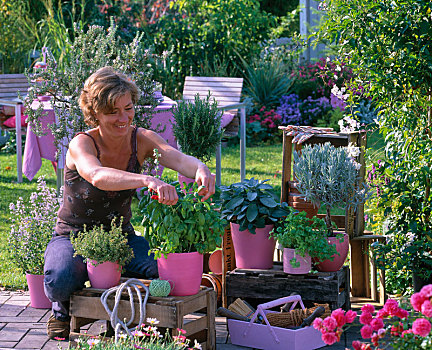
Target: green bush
{"type": "Point", "coordinates": [202, 32]}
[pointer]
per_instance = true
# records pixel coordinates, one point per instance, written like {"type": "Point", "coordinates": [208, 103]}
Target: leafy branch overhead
{"type": "Point", "coordinates": [90, 51]}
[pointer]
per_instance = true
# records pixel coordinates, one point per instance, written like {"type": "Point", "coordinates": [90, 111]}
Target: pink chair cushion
{"type": "Point", "coordinates": [10, 122]}
{"type": "Point", "coordinates": [226, 119]}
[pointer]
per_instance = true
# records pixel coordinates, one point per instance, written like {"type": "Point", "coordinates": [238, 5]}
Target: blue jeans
{"type": "Point", "coordinates": [65, 274]}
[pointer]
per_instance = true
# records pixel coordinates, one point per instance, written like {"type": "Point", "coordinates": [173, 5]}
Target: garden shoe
{"type": "Point", "coordinates": [57, 328]}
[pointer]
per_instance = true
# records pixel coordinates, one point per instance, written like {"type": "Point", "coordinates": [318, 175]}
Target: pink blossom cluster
{"type": "Point", "coordinates": [267, 118]}
{"type": "Point", "coordinates": [332, 326]}
{"type": "Point", "coordinates": [373, 323]}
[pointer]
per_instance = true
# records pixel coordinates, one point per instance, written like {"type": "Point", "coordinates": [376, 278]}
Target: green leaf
{"type": "Point", "coordinates": [235, 202]}
{"type": "Point", "coordinates": [268, 202]}
{"type": "Point", "coordinates": [251, 196]}
{"type": "Point", "coordinates": [252, 212]}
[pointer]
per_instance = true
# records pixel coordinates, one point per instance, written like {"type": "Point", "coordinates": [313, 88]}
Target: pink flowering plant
{"type": "Point", "coordinates": [33, 222]}
{"type": "Point", "coordinates": [392, 326]}
{"type": "Point", "coordinates": [263, 125]}
{"type": "Point", "coordinates": [146, 336]}
{"type": "Point", "coordinates": [333, 326]}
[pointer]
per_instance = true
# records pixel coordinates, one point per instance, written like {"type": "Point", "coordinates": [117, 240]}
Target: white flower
{"type": "Point", "coordinates": [152, 320]}
{"type": "Point", "coordinates": [196, 345]}
{"type": "Point", "coordinates": [338, 68]}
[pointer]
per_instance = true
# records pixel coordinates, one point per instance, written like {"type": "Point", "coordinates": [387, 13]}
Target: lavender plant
{"type": "Point", "coordinates": [33, 223]}
{"type": "Point", "coordinates": [90, 51]}
{"type": "Point", "coordinates": [329, 175]}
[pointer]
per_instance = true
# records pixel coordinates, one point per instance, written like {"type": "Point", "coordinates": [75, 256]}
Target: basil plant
{"type": "Point", "coordinates": [252, 204]}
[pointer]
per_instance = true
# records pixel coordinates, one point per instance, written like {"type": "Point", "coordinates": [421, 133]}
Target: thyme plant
{"type": "Point", "coordinates": [90, 51]}
{"type": "Point", "coordinates": [329, 175]}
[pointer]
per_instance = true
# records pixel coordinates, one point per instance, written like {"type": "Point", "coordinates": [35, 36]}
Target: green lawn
{"type": "Point", "coordinates": [264, 162]}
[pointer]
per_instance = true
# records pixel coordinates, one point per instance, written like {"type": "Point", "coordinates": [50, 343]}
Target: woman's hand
{"type": "Point", "coordinates": [166, 193]}
{"type": "Point", "coordinates": [204, 177]}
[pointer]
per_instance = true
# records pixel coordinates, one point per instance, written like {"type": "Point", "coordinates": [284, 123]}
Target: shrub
{"type": "Point", "coordinates": [263, 126]}
{"type": "Point", "coordinates": [197, 32]}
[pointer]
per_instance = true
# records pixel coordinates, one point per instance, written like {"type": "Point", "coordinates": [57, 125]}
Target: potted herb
{"type": "Point", "coordinates": [302, 240]}
{"type": "Point", "coordinates": [197, 128]}
{"type": "Point", "coordinates": [180, 234]}
{"type": "Point", "coordinates": [33, 222]}
{"type": "Point", "coordinates": [252, 208]}
{"type": "Point", "coordinates": [105, 252]}
{"type": "Point", "coordinates": [329, 175]}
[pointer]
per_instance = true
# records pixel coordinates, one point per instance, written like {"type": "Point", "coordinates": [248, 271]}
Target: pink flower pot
{"type": "Point", "coordinates": [338, 261]}
{"type": "Point", "coordinates": [104, 275]}
{"type": "Point", "coordinates": [183, 271]}
{"type": "Point", "coordinates": [38, 299]}
{"type": "Point", "coordinates": [305, 262]}
{"type": "Point", "coordinates": [253, 251]}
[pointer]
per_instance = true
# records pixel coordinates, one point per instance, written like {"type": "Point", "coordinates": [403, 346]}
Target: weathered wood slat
{"type": "Point", "coordinates": [12, 76]}
{"type": "Point", "coordinates": [92, 307]}
{"type": "Point", "coordinates": [214, 89]}
{"type": "Point", "coordinates": [196, 325]}
{"type": "Point", "coordinates": [213, 79]}
{"type": "Point", "coordinates": [220, 99]}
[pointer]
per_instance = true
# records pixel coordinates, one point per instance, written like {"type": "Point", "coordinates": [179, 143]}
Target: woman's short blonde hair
{"type": "Point", "coordinates": [101, 91]}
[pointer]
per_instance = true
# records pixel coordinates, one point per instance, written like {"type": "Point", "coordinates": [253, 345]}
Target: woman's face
{"type": "Point", "coordinates": [120, 118]}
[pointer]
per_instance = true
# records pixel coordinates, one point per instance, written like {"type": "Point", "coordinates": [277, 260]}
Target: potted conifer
{"type": "Point", "coordinates": [197, 129]}
{"type": "Point", "coordinates": [329, 175]}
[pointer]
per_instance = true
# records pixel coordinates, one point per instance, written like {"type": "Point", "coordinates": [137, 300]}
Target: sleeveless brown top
{"type": "Point", "coordinates": [84, 204]}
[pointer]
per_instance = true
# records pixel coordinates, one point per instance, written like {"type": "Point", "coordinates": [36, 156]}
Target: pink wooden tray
{"type": "Point", "coordinates": [265, 336]}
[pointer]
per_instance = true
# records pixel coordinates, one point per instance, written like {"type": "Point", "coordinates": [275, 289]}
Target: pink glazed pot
{"type": "Point", "coordinates": [38, 299]}
{"type": "Point", "coordinates": [104, 275]}
{"type": "Point", "coordinates": [305, 262]}
{"type": "Point", "coordinates": [253, 251]}
{"type": "Point", "coordinates": [342, 248]}
{"type": "Point", "coordinates": [183, 271]}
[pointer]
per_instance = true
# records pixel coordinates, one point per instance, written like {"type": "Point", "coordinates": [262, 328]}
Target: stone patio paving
{"type": "Point", "coordinates": [23, 327]}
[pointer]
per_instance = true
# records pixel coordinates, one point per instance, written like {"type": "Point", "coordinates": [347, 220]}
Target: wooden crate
{"type": "Point", "coordinates": [323, 287]}
{"type": "Point", "coordinates": [195, 313]}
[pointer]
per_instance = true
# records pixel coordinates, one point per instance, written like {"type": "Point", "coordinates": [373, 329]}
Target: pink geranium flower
{"type": "Point", "coordinates": [377, 324]}
{"type": "Point", "coordinates": [350, 316]}
{"type": "Point", "coordinates": [330, 323]}
{"type": "Point", "coordinates": [368, 308]}
{"type": "Point", "coordinates": [426, 291]}
{"type": "Point", "coordinates": [317, 323]}
{"type": "Point", "coordinates": [366, 332]}
{"type": "Point", "coordinates": [365, 318]}
{"type": "Point", "coordinates": [329, 338]}
{"type": "Point", "coordinates": [339, 316]}
{"type": "Point", "coordinates": [426, 308]}
{"type": "Point", "coordinates": [421, 327]}
{"type": "Point", "coordinates": [391, 306]}
{"type": "Point", "coordinates": [356, 344]}
{"type": "Point", "coordinates": [417, 300]}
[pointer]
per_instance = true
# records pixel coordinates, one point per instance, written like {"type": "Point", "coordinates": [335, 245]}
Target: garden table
{"type": "Point", "coordinates": [38, 147]}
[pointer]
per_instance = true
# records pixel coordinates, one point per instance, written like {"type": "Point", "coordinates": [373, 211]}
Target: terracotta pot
{"type": "Point", "coordinates": [305, 262]}
{"type": "Point", "coordinates": [253, 251]}
{"type": "Point", "coordinates": [338, 261]}
{"type": "Point", "coordinates": [183, 271]}
{"type": "Point", "coordinates": [38, 299]}
{"type": "Point", "coordinates": [104, 275]}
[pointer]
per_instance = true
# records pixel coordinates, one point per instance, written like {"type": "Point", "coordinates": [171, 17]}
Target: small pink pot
{"type": "Point", "coordinates": [38, 299]}
{"type": "Point", "coordinates": [253, 251]}
{"type": "Point", "coordinates": [338, 261]}
{"type": "Point", "coordinates": [305, 262]}
{"type": "Point", "coordinates": [104, 275]}
{"type": "Point", "coordinates": [183, 271]}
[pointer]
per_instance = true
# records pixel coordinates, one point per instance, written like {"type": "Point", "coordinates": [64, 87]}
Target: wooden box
{"type": "Point", "coordinates": [321, 287]}
{"type": "Point", "coordinates": [195, 313]}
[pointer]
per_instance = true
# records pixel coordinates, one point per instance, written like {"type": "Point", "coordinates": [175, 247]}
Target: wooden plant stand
{"type": "Point", "coordinates": [322, 287]}
{"type": "Point", "coordinates": [195, 313]}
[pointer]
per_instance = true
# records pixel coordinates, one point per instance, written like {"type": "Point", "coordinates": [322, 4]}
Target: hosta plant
{"type": "Point", "coordinates": [33, 222]}
{"type": "Point", "coordinates": [252, 204]}
{"type": "Point", "coordinates": [103, 244]}
{"type": "Point", "coordinates": [329, 175]}
{"type": "Point", "coordinates": [191, 225]}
